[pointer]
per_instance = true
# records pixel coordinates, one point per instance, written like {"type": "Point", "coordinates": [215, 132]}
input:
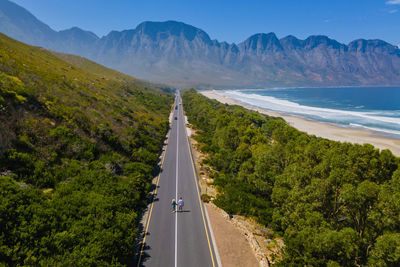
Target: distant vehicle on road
{"type": "Point", "coordinates": [176, 118]}
{"type": "Point", "coordinates": [176, 107]}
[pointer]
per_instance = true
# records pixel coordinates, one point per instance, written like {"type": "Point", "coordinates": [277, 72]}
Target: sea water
{"type": "Point", "coordinates": [372, 108]}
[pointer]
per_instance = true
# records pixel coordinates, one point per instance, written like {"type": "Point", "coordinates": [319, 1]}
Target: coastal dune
{"type": "Point", "coordinates": [319, 129]}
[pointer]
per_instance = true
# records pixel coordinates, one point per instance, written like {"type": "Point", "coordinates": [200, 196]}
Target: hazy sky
{"type": "Point", "coordinates": [231, 21]}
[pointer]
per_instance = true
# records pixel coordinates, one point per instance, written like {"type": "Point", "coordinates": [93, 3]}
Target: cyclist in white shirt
{"type": "Point", "coordinates": [180, 204]}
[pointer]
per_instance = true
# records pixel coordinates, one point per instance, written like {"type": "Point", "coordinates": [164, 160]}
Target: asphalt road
{"type": "Point", "coordinates": [180, 238]}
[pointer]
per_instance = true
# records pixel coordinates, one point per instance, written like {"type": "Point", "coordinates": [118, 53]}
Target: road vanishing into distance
{"type": "Point", "coordinates": [177, 238]}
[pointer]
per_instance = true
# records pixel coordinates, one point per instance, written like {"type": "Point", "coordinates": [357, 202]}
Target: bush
{"type": "Point", "coordinates": [205, 198]}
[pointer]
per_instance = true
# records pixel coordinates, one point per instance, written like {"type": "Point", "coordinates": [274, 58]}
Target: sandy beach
{"type": "Point", "coordinates": [320, 129]}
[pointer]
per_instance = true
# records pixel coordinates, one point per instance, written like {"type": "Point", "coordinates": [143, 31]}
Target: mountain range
{"type": "Point", "coordinates": [179, 54]}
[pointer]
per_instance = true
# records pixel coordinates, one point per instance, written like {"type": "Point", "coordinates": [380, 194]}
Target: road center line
{"type": "Point", "coordinates": [176, 185]}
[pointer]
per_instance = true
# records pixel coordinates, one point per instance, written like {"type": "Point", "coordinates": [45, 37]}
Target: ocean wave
{"type": "Point", "coordinates": [391, 132]}
{"type": "Point", "coordinates": [378, 120]}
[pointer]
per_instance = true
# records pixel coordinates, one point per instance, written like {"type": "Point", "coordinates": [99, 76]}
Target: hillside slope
{"type": "Point", "coordinates": [78, 149]}
{"type": "Point", "coordinates": [108, 73]}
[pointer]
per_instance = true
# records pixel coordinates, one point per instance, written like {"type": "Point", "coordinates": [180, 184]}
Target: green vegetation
{"type": "Point", "coordinates": [104, 72]}
{"type": "Point", "coordinates": [78, 150]}
{"type": "Point", "coordinates": [335, 204]}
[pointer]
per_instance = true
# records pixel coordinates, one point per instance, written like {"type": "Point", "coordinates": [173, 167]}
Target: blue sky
{"type": "Point", "coordinates": [231, 21]}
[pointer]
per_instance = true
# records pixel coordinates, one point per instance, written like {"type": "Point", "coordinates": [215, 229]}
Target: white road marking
{"type": "Point", "coordinates": [176, 189]}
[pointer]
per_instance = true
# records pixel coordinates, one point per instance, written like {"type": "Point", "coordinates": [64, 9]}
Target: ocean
{"type": "Point", "coordinates": [371, 108]}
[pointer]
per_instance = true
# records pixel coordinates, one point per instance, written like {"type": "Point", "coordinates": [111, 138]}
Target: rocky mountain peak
{"type": "Point", "coordinates": [163, 30]}
{"type": "Point", "coordinates": [79, 33]}
{"type": "Point", "coordinates": [364, 46]}
{"type": "Point", "coordinates": [291, 42]}
{"type": "Point", "coordinates": [262, 42]}
{"type": "Point", "coordinates": [19, 23]}
{"type": "Point", "coordinates": [321, 40]}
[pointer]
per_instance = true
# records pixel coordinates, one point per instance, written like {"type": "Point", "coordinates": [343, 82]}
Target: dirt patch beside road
{"type": "Point", "coordinates": [233, 246]}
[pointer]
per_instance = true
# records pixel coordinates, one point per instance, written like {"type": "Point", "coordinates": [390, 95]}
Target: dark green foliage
{"type": "Point", "coordinates": [335, 204]}
{"type": "Point", "coordinates": [78, 148]}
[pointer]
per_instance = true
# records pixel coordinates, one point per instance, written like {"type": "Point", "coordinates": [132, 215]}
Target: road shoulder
{"type": "Point", "coordinates": [233, 246]}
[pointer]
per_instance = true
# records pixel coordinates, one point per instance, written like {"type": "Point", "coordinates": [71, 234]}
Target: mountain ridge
{"type": "Point", "coordinates": [182, 55]}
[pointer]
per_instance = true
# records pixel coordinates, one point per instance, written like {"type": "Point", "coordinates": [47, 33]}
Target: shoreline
{"type": "Point", "coordinates": [320, 129]}
{"type": "Point", "coordinates": [296, 87]}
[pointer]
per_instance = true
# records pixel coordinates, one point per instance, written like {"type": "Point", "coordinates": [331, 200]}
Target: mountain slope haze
{"type": "Point", "coordinates": [182, 55]}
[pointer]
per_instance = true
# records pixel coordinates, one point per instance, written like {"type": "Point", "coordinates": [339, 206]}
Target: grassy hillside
{"type": "Point", "coordinates": [107, 73]}
{"type": "Point", "coordinates": [95, 68]}
{"type": "Point", "coordinates": [334, 204]}
{"type": "Point", "coordinates": [78, 148]}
